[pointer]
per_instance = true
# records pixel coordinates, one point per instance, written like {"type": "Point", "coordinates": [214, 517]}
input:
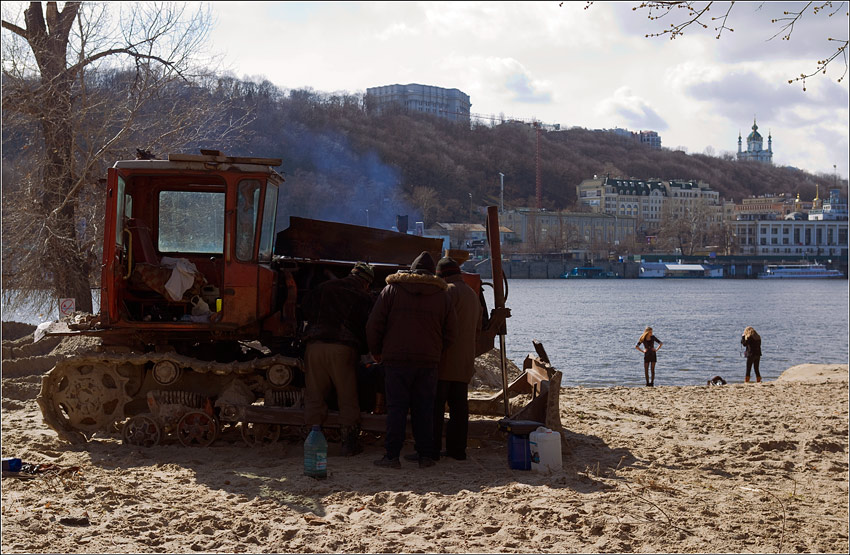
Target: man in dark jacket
{"type": "Point", "coordinates": [336, 312]}
{"type": "Point", "coordinates": [409, 327]}
{"type": "Point", "coordinates": [457, 364]}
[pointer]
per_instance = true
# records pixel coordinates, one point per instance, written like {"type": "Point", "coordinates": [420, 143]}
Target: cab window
{"type": "Point", "coordinates": [191, 222]}
{"type": "Point", "coordinates": [247, 206]}
{"type": "Point", "coordinates": [267, 230]}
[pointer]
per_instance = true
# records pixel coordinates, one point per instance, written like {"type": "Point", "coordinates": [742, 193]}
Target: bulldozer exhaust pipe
{"type": "Point", "coordinates": [493, 240]}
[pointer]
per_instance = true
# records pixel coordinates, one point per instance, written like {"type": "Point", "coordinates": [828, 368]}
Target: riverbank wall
{"type": "Point", "coordinates": [733, 267]}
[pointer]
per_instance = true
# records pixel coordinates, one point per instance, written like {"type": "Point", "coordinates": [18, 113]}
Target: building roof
{"type": "Point", "coordinates": [636, 187]}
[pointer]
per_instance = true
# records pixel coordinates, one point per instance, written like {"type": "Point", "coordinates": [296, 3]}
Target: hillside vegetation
{"type": "Point", "coordinates": [343, 163]}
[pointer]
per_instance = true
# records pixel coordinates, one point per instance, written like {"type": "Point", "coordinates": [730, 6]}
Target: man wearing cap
{"type": "Point", "coordinates": [409, 327]}
{"type": "Point", "coordinates": [457, 365]}
{"type": "Point", "coordinates": [336, 312]}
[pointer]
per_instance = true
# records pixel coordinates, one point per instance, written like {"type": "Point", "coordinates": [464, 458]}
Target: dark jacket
{"type": "Point", "coordinates": [337, 311]}
{"type": "Point", "coordinates": [412, 321]}
{"type": "Point", "coordinates": [753, 345]}
{"type": "Point", "coordinates": [458, 362]}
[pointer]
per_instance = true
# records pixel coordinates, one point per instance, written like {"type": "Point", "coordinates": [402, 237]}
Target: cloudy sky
{"type": "Point", "coordinates": [581, 66]}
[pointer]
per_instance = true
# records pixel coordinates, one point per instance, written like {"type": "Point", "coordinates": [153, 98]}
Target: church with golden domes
{"type": "Point", "coordinates": [755, 152]}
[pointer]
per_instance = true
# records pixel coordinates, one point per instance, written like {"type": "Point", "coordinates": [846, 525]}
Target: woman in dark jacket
{"type": "Point", "coordinates": [752, 342]}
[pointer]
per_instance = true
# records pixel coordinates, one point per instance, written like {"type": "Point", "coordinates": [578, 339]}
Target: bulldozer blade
{"type": "Point", "coordinates": [316, 239]}
{"type": "Point", "coordinates": [539, 380]}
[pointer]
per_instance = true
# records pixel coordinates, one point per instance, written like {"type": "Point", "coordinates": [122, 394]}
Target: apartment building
{"type": "Point", "coordinates": [561, 231]}
{"type": "Point", "coordinates": [799, 238]}
{"type": "Point", "coordinates": [451, 104]}
{"type": "Point", "coordinates": [649, 201]}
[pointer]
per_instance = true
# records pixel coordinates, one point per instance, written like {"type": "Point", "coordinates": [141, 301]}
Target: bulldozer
{"type": "Point", "coordinates": [200, 321]}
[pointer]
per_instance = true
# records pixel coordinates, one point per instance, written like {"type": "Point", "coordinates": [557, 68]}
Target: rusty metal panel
{"type": "Point", "coordinates": [321, 240]}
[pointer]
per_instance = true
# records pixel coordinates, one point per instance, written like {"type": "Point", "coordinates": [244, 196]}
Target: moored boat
{"type": "Point", "coordinates": [800, 271]}
{"type": "Point", "coordinates": [590, 272]}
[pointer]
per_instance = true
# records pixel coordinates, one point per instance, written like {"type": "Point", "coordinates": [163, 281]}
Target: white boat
{"type": "Point", "coordinates": [679, 270]}
{"type": "Point", "coordinates": [799, 271]}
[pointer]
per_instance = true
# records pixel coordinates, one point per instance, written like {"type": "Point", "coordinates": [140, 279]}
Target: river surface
{"type": "Point", "coordinates": [589, 327]}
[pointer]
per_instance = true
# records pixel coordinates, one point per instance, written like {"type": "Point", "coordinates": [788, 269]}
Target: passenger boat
{"type": "Point", "coordinates": [799, 271]}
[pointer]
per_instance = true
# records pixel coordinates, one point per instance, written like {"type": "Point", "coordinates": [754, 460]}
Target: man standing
{"type": "Point", "coordinates": [336, 312]}
{"type": "Point", "coordinates": [410, 326]}
{"type": "Point", "coordinates": [457, 365]}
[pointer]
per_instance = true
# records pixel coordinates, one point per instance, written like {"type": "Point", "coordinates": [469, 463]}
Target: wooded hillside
{"type": "Point", "coordinates": [343, 163]}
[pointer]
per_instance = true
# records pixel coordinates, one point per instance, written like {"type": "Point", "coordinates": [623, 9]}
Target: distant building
{"type": "Point", "coordinates": [796, 238]}
{"type": "Point", "coordinates": [648, 200]}
{"type": "Point", "coordinates": [451, 104]}
{"type": "Point", "coordinates": [468, 236]}
{"type": "Point", "coordinates": [755, 152]}
{"type": "Point", "coordinates": [832, 208]}
{"type": "Point", "coordinates": [541, 230]}
{"type": "Point", "coordinates": [650, 139]}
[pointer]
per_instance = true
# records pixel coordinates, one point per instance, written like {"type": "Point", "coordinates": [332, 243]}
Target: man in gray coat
{"type": "Point", "coordinates": [457, 365]}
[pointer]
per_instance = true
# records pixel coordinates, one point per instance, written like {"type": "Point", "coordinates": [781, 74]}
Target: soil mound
{"type": "Point", "coordinates": [16, 330]}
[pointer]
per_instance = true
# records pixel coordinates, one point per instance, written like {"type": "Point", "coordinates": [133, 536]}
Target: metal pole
{"type": "Point", "coordinates": [502, 193]}
{"type": "Point", "coordinates": [493, 238]}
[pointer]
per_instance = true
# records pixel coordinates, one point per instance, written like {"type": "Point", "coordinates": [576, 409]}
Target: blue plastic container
{"type": "Point", "coordinates": [12, 464]}
{"type": "Point", "coordinates": [519, 452]}
{"type": "Point", "coordinates": [316, 454]}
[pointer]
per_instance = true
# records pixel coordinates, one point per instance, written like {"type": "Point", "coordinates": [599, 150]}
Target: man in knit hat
{"type": "Point", "coordinates": [457, 364]}
{"type": "Point", "coordinates": [409, 327]}
{"type": "Point", "coordinates": [336, 312]}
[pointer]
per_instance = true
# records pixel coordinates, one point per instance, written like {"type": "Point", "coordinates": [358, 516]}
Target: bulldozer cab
{"type": "Point", "coordinates": [189, 242]}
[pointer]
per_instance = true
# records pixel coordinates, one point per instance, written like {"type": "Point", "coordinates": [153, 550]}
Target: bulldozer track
{"type": "Point", "coordinates": [87, 393]}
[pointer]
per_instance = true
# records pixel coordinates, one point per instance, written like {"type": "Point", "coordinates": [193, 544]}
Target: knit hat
{"type": "Point", "coordinates": [423, 264]}
{"type": "Point", "coordinates": [364, 271]}
{"type": "Point", "coordinates": [447, 267]}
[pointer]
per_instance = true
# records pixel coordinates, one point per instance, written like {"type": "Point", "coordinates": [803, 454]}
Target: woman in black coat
{"type": "Point", "coordinates": [752, 342]}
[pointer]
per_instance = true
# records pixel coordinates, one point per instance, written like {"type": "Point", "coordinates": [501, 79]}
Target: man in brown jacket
{"type": "Point", "coordinates": [457, 365]}
{"type": "Point", "coordinates": [409, 327]}
{"type": "Point", "coordinates": [336, 312]}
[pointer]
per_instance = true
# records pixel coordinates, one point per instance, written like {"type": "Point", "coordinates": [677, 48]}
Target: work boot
{"type": "Point", "coordinates": [387, 462]}
{"type": "Point", "coordinates": [425, 462]}
{"type": "Point", "coordinates": [350, 436]}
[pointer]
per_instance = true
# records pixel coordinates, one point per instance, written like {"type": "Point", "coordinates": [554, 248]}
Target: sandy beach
{"type": "Point", "coordinates": [759, 468]}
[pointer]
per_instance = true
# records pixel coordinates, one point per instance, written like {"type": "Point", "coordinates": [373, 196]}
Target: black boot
{"type": "Point", "coordinates": [350, 441]}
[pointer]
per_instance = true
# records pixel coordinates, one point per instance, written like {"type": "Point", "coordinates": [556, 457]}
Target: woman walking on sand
{"type": "Point", "coordinates": [649, 340]}
{"type": "Point", "coordinates": [752, 342]}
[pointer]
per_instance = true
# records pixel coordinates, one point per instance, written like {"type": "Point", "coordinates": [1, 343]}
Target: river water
{"type": "Point", "coordinates": [589, 327]}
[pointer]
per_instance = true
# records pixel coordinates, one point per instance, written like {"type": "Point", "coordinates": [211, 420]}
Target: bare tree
{"type": "Point", "coordinates": [682, 15]}
{"type": "Point", "coordinates": [425, 199]}
{"type": "Point", "coordinates": [83, 85]}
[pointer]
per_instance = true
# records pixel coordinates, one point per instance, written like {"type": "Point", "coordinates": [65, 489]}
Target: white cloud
{"type": "Point", "coordinates": [397, 30]}
{"type": "Point", "coordinates": [624, 108]}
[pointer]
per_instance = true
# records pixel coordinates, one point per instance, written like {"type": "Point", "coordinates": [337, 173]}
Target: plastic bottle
{"type": "Point", "coordinates": [545, 447]}
{"type": "Point", "coordinates": [316, 454]}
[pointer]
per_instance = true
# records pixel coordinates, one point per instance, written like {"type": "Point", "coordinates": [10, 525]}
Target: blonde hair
{"type": "Point", "coordinates": [750, 332]}
{"type": "Point", "coordinates": [647, 333]}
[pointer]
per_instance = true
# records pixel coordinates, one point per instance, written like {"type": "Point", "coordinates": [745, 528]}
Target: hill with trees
{"type": "Point", "coordinates": [346, 164]}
